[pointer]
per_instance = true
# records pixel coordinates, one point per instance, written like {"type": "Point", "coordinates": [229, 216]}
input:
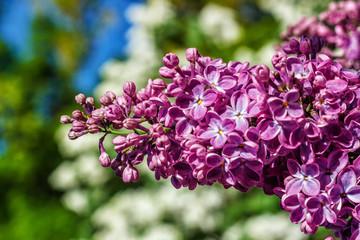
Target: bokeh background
{"type": "Point", "coordinates": [54, 188]}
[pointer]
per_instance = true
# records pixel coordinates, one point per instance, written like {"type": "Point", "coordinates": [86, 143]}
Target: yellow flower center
{"type": "Point", "coordinates": [285, 104]}
{"type": "Point", "coordinates": [241, 145]}
{"type": "Point", "coordinates": [213, 85]}
{"type": "Point", "coordinates": [199, 102]}
{"type": "Point", "coordinates": [220, 132]}
{"type": "Point", "coordinates": [239, 116]}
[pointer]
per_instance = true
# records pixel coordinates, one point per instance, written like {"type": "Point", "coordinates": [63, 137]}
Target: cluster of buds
{"type": "Point", "coordinates": [338, 26]}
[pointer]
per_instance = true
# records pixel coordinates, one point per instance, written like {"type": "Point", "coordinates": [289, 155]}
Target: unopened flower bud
{"type": "Point", "coordinates": [117, 124]}
{"type": "Point", "coordinates": [78, 126]}
{"type": "Point", "coordinates": [158, 84]}
{"type": "Point", "coordinates": [316, 44]}
{"type": "Point", "coordinates": [156, 130]}
{"type": "Point", "coordinates": [93, 128]}
{"type": "Point", "coordinates": [294, 45]}
{"type": "Point", "coordinates": [129, 88]}
{"type": "Point", "coordinates": [104, 159]}
{"type": "Point", "coordinates": [130, 174]}
{"type": "Point", "coordinates": [106, 100]}
{"type": "Point", "coordinates": [163, 143]}
{"type": "Point", "coordinates": [305, 46]}
{"type": "Point", "coordinates": [77, 114]}
{"type": "Point", "coordinates": [131, 123]}
{"type": "Point", "coordinates": [116, 162]}
{"type": "Point", "coordinates": [120, 143]}
{"type": "Point", "coordinates": [192, 55]}
{"type": "Point", "coordinates": [133, 139]}
{"type": "Point", "coordinates": [261, 72]}
{"type": "Point", "coordinates": [90, 101]}
{"type": "Point", "coordinates": [167, 72]}
{"type": "Point", "coordinates": [171, 60]}
{"type": "Point", "coordinates": [80, 99]}
{"type": "Point", "coordinates": [98, 114]}
{"type": "Point", "coordinates": [65, 119]}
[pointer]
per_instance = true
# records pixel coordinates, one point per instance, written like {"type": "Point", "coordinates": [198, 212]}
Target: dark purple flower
{"type": "Point", "coordinates": [288, 105]}
{"type": "Point", "coordinates": [246, 171]}
{"type": "Point", "coordinates": [346, 188]}
{"type": "Point", "coordinates": [237, 147]}
{"type": "Point", "coordinates": [321, 208]}
{"type": "Point", "coordinates": [331, 166]}
{"type": "Point", "coordinates": [219, 169]}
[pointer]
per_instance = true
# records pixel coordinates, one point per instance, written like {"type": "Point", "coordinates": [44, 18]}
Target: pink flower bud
{"type": "Point", "coordinates": [80, 99]}
{"type": "Point", "coordinates": [171, 60]}
{"type": "Point", "coordinates": [130, 174]}
{"type": "Point", "coordinates": [156, 130]}
{"type": "Point", "coordinates": [104, 159]}
{"type": "Point", "coordinates": [98, 114]}
{"type": "Point", "coordinates": [129, 88]}
{"type": "Point", "coordinates": [93, 128]}
{"type": "Point", "coordinates": [78, 115]}
{"type": "Point", "coordinates": [158, 84]}
{"type": "Point", "coordinates": [192, 55]}
{"type": "Point", "coordinates": [130, 123]}
{"type": "Point", "coordinates": [90, 101]}
{"type": "Point", "coordinates": [167, 72]}
{"type": "Point", "coordinates": [78, 126]}
{"type": "Point", "coordinates": [120, 143]}
{"type": "Point", "coordinates": [65, 119]}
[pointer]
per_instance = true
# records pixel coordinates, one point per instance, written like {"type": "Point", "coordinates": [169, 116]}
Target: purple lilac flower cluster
{"type": "Point", "coordinates": [292, 131]}
{"type": "Point", "coordinates": [338, 26]}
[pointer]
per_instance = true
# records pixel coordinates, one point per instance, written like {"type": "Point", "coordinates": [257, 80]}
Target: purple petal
{"type": "Point", "coordinates": [198, 89]}
{"type": "Point", "coordinates": [198, 112]}
{"type": "Point", "coordinates": [330, 215]}
{"type": "Point", "coordinates": [354, 194]}
{"type": "Point", "coordinates": [176, 113]}
{"type": "Point", "coordinates": [213, 160]}
{"type": "Point", "coordinates": [214, 173]}
{"type": "Point", "coordinates": [337, 160]}
{"type": "Point", "coordinates": [213, 119]}
{"type": "Point", "coordinates": [277, 107]}
{"type": "Point", "coordinates": [184, 101]}
{"type": "Point", "coordinates": [311, 169]}
{"type": "Point", "coordinates": [241, 124]}
{"type": "Point", "coordinates": [337, 85]}
{"type": "Point", "coordinates": [295, 110]}
{"type": "Point", "coordinates": [292, 96]}
{"type": "Point", "coordinates": [207, 133]}
{"type": "Point", "coordinates": [209, 97]}
{"type": "Point", "coordinates": [268, 129]}
{"type": "Point", "coordinates": [294, 186]}
{"type": "Point", "coordinates": [319, 217]}
{"type": "Point", "coordinates": [293, 167]}
{"type": "Point", "coordinates": [212, 74]}
{"type": "Point", "coordinates": [297, 215]}
{"type": "Point", "coordinates": [313, 204]}
{"type": "Point", "coordinates": [227, 82]}
{"type": "Point", "coordinates": [311, 187]}
{"type": "Point", "coordinates": [218, 141]}
{"type": "Point", "coordinates": [228, 126]}
{"type": "Point", "coordinates": [347, 179]}
{"type": "Point", "coordinates": [239, 101]}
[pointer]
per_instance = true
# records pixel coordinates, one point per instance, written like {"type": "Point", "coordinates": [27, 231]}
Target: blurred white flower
{"type": "Point", "coordinates": [64, 177]}
{"type": "Point", "coordinates": [219, 24]}
{"type": "Point", "coordinates": [76, 200]}
{"type": "Point", "coordinates": [273, 227]}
